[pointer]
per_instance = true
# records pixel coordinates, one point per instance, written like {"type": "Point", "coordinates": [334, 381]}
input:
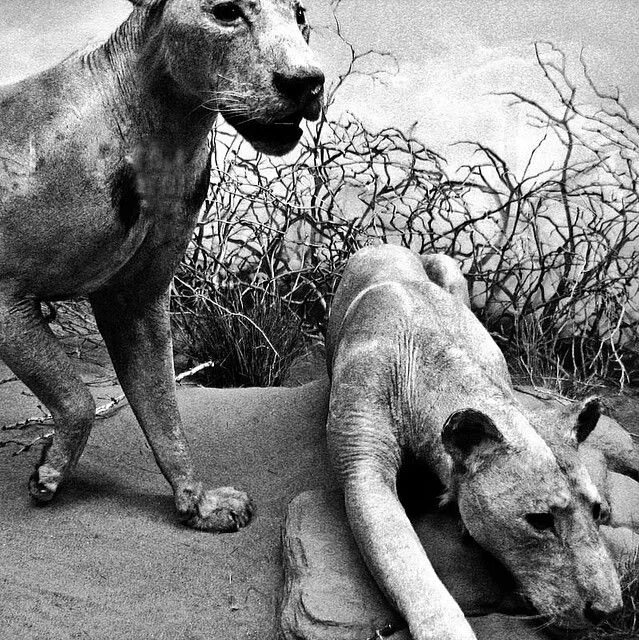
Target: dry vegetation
{"type": "Point", "coordinates": [551, 254]}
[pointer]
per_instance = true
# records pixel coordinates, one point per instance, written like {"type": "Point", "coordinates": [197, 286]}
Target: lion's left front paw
{"type": "Point", "coordinates": [223, 509]}
{"type": "Point", "coordinates": [43, 484]}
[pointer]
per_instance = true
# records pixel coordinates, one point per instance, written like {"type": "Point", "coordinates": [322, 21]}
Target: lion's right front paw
{"type": "Point", "coordinates": [221, 510]}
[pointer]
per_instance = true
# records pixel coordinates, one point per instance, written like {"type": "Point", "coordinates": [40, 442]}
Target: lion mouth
{"type": "Point", "coordinates": [274, 138]}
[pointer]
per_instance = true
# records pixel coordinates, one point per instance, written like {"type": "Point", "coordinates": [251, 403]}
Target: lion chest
{"type": "Point", "coordinates": [83, 218]}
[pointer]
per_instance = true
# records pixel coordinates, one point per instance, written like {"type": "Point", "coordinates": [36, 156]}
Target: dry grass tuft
{"type": "Point", "coordinates": [252, 338]}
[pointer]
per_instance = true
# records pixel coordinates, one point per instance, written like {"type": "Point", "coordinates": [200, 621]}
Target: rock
{"type": "Point", "coordinates": [623, 494]}
{"type": "Point", "coordinates": [617, 445]}
{"type": "Point", "coordinates": [623, 544]}
{"type": "Point", "coordinates": [330, 595]}
{"type": "Point", "coordinates": [595, 462]}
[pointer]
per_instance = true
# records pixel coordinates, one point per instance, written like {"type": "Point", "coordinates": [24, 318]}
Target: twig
{"type": "Point", "coordinates": [22, 424]}
{"type": "Point", "coordinates": [102, 411]}
{"type": "Point", "coordinates": [542, 394]}
{"type": "Point", "coordinates": [116, 402]}
{"type": "Point", "coordinates": [26, 446]}
{"type": "Point", "coordinates": [194, 370]}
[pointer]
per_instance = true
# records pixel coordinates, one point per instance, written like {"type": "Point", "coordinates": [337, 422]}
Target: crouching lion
{"type": "Point", "coordinates": [415, 378]}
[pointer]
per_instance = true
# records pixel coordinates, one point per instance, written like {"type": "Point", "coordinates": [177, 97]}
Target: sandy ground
{"type": "Point", "coordinates": [109, 560]}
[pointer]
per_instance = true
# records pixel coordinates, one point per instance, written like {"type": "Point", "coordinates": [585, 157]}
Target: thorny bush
{"type": "Point", "coordinates": [551, 253]}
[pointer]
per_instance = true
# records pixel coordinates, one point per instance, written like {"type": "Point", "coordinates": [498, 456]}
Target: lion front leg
{"type": "Point", "coordinates": [394, 555]}
{"type": "Point", "coordinates": [138, 337]}
{"type": "Point", "coordinates": [366, 459]}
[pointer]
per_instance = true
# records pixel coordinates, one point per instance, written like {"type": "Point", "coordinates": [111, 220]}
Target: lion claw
{"type": "Point", "coordinates": [224, 509]}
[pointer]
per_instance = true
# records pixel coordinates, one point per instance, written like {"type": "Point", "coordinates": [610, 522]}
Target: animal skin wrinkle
{"type": "Point", "coordinates": [403, 398]}
{"type": "Point", "coordinates": [26, 307]}
{"type": "Point", "coordinates": [370, 437]}
{"type": "Point", "coordinates": [23, 313]}
{"type": "Point", "coordinates": [388, 284]}
{"type": "Point", "coordinates": [132, 32]}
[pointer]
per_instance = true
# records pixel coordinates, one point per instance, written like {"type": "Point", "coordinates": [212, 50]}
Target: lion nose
{"type": "Point", "coordinates": [303, 87]}
{"type": "Point", "coordinates": [595, 614]}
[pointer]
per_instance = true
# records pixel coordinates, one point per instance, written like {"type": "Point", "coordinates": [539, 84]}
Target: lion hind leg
{"type": "Point", "coordinates": [445, 272]}
{"type": "Point", "coordinates": [31, 351]}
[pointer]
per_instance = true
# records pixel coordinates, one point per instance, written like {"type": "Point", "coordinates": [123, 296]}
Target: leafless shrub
{"type": "Point", "coordinates": [287, 228]}
{"type": "Point", "coordinates": [552, 254]}
{"type": "Point", "coordinates": [556, 256]}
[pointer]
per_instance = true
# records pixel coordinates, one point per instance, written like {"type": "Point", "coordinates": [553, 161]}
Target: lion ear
{"type": "Point", "coordinates": [469, 432]}
{"type": "Point", "coordinates": [586, 419]}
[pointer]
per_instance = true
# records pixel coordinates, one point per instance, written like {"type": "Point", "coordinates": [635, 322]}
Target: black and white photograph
{"type": "Point", "coordinates": [319, 320]}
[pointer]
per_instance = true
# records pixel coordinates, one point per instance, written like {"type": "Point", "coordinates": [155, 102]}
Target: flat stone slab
{"type": "Point", "coordinates": [624, 501]}
{"type": "Point", "coordinates": [329, 594]}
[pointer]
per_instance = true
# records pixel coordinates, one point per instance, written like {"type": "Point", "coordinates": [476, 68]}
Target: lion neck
{"type": "Point", "coordinates": [145, 101]}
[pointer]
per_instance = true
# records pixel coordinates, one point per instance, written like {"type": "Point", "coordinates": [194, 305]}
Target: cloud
{"type": "Point", "coordinates": [454, 55]}
{"type": "Point", "coordinates": [452, 98]}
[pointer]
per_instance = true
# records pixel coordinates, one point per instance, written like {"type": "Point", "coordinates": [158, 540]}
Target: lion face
{"type": "Point", "coordinates": [532, 505]}
{"type": "Point", "coordinates": [248, 60]}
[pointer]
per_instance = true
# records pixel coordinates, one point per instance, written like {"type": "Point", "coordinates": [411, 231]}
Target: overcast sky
{"type": "Point", "coordinates": [451, 54]}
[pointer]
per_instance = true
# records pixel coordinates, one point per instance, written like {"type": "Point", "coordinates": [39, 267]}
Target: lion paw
{"type": "Point", "coordinates": [223, 509]}
{"type": "Point", "coordinates": [43, 484]}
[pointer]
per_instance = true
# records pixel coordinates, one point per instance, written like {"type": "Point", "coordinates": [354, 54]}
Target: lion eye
{"type": "Point", "coordinates": [300, 15]}
{"type": "Point", "coordinates": [541, 521]}
{"type": "Point", "coordinates": [226, 12]}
